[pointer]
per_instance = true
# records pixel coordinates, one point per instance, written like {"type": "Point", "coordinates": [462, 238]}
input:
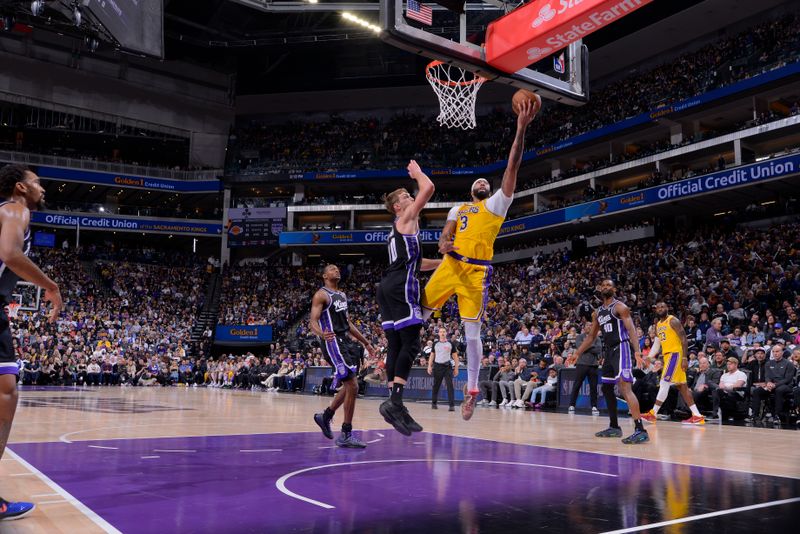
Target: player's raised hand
{"type": "Point", "coordinates": [527, 111]}
{"type": "Point", "coordinates": [53, 296]}
{"type": "Point", "coordinates": [414, 170]}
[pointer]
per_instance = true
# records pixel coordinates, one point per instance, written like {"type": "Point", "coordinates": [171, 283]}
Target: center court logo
{"type": "Point", "coordinates": [545, 14]}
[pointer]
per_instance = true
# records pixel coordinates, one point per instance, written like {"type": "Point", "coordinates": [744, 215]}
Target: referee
{"type": "Point", "coordinates": [444, 365]}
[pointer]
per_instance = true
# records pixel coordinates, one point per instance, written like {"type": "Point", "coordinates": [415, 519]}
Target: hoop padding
{"type": "Point", "coordinates": [457, 91]}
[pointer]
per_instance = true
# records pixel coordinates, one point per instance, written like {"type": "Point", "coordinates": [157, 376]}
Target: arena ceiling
{"type": "Point", "coordinates": [293, 45]}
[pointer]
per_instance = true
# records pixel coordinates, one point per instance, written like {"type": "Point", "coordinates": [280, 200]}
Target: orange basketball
{"type": "Point", "coordinates": [522, 95]}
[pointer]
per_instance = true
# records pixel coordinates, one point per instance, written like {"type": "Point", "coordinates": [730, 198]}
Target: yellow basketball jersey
{"type": "Point", "coordinates": [476, 230]}
{"type": "Point", "coordinates": [670, 341]}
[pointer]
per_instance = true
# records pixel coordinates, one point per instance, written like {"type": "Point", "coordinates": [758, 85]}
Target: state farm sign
{"type": "Point", "coordinates": [540, 28]}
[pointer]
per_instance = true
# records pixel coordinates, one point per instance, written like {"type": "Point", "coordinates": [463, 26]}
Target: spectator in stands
{"type": "Point", "coordinates": [93, 374]}
{"type": "Point", "coordinates": [542, 391]}
{"type": "Point", "coordinates": [524, 378]}
{"type": "Point", "coordinates": [506, 384]}
{"type": "Point", "coordinates": [758, 369]}
{"type": "Point", "coordinates": [646, 387]}
{"type": "Point", "coordinates": [523, 337]}
{"type": "Point", "coordinates": [714, 333]}
{"type": "Point", "coordinates": [779, 377]}
{"type": "Point", "coordinates": [703, 384]}
{"type": "Point", "coordinates": [724, 397]}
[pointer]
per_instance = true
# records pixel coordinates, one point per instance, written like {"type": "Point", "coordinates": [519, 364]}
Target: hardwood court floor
{"type": "Point", "coordinates": [89, 457]}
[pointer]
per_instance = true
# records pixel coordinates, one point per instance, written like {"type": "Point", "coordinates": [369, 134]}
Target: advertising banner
{"type": "Point", "coordinates": [538, 29]}
{"type": "Point", "coordinates": [419, 386]}
{"type": "Point", "coordinates": [126, 224]}
{"type": "Point", "coordinates": [244, 333]}
{"type": "Point", "coordinates": [350, 237]}
{"type": "Point", "coordinates": [688, 187]}
{"type": "Point", "coordinates": [135, 182]}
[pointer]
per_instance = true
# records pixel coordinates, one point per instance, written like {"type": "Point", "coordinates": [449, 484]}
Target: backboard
{"type": "Point", "coordinates": [458, 38]}
{"type": "Point", "coordinates": [28, 295]}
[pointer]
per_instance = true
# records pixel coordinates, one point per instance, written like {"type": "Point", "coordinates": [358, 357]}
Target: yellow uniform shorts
{"type": "Point", "coordinates": [673, 369]}
{"type": "Point", "coordinates": [470, 283]}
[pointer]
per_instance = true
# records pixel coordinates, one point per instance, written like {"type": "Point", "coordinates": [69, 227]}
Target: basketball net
{"type": "Point", "coordinates": [457, 91]}
{"type": "Point", "coordinates": [13, 309]}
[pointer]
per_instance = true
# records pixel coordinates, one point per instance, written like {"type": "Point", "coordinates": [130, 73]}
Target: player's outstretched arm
{"type": "Point", "coordinates": [424, 193]}
{"type": "Point", "coordinates": [527, 111]}
{"type": "Point", "coordinates": [429, 264]}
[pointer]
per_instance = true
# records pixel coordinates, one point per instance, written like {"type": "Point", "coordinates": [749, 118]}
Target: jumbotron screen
{"type": "Point", "coordinates": [138, 25]}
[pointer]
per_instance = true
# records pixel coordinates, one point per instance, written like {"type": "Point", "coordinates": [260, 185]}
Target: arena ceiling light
{"type": "Point", "coordinates": [361, 22]}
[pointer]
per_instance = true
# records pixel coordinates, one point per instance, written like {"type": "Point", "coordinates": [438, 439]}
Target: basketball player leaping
{"type": "Point", "coordinates": [671, 340]}
{"type": "Point", "coordinates": [467, 242]}
{"type": "Point", "coordinates": [613, 322]}
{"type": "Point", "coordinates": [398, 295]}
{"type": "Point", "coordinates": [22, 193]}
{"type": "Point", "coordinates": [330, 322]}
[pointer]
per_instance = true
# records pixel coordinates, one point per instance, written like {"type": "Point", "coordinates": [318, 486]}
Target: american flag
{"type": "Point", "coordinates": [418, 11]}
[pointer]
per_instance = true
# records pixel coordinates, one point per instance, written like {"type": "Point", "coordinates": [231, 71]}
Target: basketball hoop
{"type": "Point", "coordinates": [13, 309]}
{"type": "Point", "coordinates": [457, 91]}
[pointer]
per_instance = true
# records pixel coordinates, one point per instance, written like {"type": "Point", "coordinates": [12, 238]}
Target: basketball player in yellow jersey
{"type": "Point", "coordinates": [671, 339]}
{"type": "Point", "coordinates": [468, 245]}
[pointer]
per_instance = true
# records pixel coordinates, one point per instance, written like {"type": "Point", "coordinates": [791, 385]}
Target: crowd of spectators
{"type": "Point", "coordinates": [735, 289]}
{"type": "Point", "coordinates": [120, 316]}
{"type": "Point", "coordinates": [338, 144]}
{"type": "Point", "coordinates": [259, 293]}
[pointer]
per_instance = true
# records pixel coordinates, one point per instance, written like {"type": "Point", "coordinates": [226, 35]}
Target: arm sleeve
{"type": "Point", "coordinates": [452, 215]}
{"type": "Point", "coordinates": [499, 203]}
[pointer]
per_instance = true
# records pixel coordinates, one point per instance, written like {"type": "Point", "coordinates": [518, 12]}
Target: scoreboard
{"type": "Point", "coordinates": [248, 227]}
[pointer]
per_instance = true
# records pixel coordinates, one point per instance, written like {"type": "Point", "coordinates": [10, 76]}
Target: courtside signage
{"type": "Point", "coordinates": [244, 333]}
{"type": "Point", "coordinates": [538, 29]}
{"type": "Point", "coordinates": [134, 182]}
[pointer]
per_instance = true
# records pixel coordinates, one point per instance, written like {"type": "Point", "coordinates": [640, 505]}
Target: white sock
{"type": "Point", "coordinates": [695, 411]}
{"type": "Point", "coordinates": [472, 332]}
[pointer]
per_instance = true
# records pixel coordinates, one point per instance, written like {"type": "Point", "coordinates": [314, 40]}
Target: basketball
{"type": "Point", "coordinates": [523, 95]}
